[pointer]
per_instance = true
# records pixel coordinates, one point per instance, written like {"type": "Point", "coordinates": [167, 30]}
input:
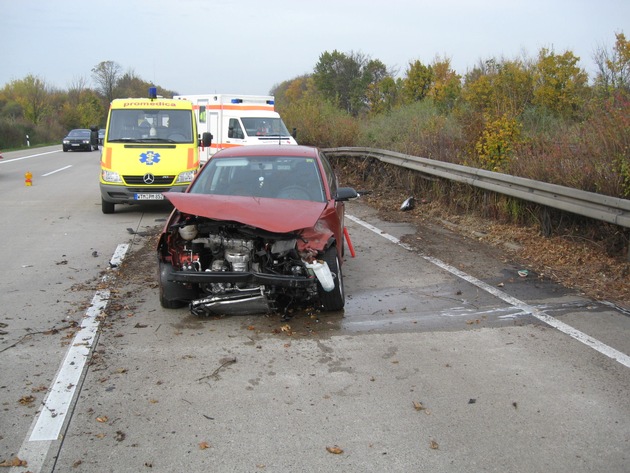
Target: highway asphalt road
{"type": "Point", "coordinates": [442, 361]}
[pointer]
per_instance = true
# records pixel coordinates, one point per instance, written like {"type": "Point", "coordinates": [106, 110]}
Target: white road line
{"type": "Point", "coordinates": [49, 421]}
{"type": "Point", "coordinates": [57, 402]}
{"type": "Point", "coordinates": [57, 170]}
{"type": "Point", "coordinates": [523, 306]}
{"type": "Point", "coordinates": [6, 161]}
{"type": "Point", "coordinates": [118, 256]}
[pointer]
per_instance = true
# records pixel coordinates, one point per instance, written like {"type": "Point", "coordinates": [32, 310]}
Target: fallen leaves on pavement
{"type": "Point", "coordinates": [15, 461]}
{"type": "Point", "coordinates": [27, 400]}
{"type": "Point", "coordinates": [334, 450]}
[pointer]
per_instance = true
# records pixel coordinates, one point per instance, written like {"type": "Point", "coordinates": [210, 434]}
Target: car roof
{"type": "Point", "coordinates": [268, 150]}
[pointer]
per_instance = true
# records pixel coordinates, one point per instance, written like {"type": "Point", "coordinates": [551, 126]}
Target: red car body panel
{"type": "Point", "coordinates": [274, 215]}
{"type": "Point", "coordinates": [312, 220]}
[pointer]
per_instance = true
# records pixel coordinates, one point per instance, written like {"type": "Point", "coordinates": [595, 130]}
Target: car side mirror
{"type": "Point", "coordinates": [346, 193]}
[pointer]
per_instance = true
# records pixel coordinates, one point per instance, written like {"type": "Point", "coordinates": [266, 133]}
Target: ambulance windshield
{"type": "Point", "coordinates": [137, 125]}
{"type": "Point", "coordinates": [264, 126]}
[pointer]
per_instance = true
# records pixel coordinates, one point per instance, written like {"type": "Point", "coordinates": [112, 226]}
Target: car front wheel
{"type": "Point", "coordinates": [334, 299]}
{"type": "Point", "coordinates": [172, 295]}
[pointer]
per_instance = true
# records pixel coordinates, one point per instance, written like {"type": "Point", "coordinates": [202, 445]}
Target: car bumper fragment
{"type": "Point", "coordinates": [264, 279]}
{"type": "Point", "coordinates": [243, 301]}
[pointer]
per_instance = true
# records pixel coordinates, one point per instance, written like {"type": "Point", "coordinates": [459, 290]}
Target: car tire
{"type": "Point", "coordinates": [65, 150]}
{"type": "Point", "coordinates": [335, 299]}
{"type": "Point", "coordinates": [172, 295]}
{"type": "Point", "coordinates": [107, 207]}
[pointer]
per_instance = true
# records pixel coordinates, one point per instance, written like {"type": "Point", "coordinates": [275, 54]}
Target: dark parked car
{"type": "Point", "coordinates": [261, 228]}
{"type": "Point", "coordinates": [77, 139]}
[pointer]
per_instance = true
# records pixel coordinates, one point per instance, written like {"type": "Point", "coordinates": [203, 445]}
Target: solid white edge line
{"type": "Point", "coordinates": [119, 255]}
{"type": "Point", "coordinates": [7, 161]}
{"type": "Point", "coordinates": [523, 306]}
{"type": "Point", "coordinates": [57, 402]}
{"type": "Point", "coordinates": [49, 421]}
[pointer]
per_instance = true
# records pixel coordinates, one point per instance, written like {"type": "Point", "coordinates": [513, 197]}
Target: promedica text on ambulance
{"type": "Point", "coordinates": [151, 146]}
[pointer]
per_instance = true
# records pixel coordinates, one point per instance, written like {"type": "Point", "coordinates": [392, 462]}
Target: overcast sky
{"type": "Point", "coordinates": [248, 47]}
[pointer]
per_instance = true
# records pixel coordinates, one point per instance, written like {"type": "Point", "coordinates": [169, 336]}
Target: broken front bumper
{"type": "Point", "coordinates": [248, 278]}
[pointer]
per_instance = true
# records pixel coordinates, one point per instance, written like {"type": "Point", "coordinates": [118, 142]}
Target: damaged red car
{"type": "Point", "coordinates": [261, 228]}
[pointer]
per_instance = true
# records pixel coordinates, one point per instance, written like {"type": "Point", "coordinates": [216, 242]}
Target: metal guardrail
{"type": "Point", "coordinates": [589, 204]}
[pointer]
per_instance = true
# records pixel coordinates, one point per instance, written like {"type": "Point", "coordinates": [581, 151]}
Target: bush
{"type": "Point", "coordinates": [418, 129]}
{"type": "Point", "coordinates": [319, 123]}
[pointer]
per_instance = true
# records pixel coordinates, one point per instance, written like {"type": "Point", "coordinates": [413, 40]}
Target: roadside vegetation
{"type": "Point", "coordinates": [541, 118]}
{"type": "Point", "coordinates": [537, 118]}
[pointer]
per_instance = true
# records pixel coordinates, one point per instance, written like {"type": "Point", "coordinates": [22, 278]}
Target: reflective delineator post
{"type": "Point", "coordinates": [28, 178]}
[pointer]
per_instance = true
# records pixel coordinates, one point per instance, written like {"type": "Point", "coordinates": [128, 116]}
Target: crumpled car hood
{"type": "Point", "coordinates": [274, 215]}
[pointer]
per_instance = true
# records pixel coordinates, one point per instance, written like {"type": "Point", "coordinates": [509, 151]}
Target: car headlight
{"type": "Point", "coordinates": [110, 176]}
{"type": "Point", "coordinates": [186, 176]}
{"type": "Point", "coordinates": [86, 142]}
{"type": "Point", "coordinates": [66, 142]}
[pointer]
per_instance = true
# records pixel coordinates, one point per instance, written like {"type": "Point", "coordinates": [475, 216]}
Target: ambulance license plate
{"type": "Point", "coordinates": [149, 196]}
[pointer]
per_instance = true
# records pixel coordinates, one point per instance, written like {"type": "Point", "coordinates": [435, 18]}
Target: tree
{"type": "Point", "coordinates": [76, 88]}
{"type": "Point", "coordinates": [499, 87]}
{"type": "Point", "coordinates": [106, 75]}
{"type": "Point", "coordinates": [447, 84]}
{"type": "Point", "coordinates": [131, 85]}
{"type": "Point", "coordinates": [613, 67]}
{"type": "Point", "coordinates": [383, 96]}
{"type": "Point", "coordinates": [559, 84]}
{"type": "Point", "coordinates": [9, 108]}
{"type": "Point", "coordinates": [91, 111]}
{"type": "Point", "coordinates": [417, 82]}
{"type": "Point", "coordinates": [335, 76]}
{"type": "Point", "coordinates": [344, 79]}
{"type": "Point", "coordinates": [379, 89]}
{"type": "Point", "coordinates": [32, 94]}
{"type": "Point", "coordinates": [290, 90]}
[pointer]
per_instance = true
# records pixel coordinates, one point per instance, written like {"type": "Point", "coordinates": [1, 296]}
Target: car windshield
{"type": "Point", "coordinates": [279, 177]}
{"type": "Point", "coordinates": [171, 126]}
{"type": "Point", "coordinates": [79, 133]}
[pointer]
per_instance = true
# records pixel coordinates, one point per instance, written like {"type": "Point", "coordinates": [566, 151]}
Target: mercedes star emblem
{"type": "Point", "coordinates": [148, 178]}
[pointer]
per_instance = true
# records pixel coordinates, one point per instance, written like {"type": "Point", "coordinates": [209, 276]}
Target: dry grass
{"type": "Point", "coordinates": [577, 262]}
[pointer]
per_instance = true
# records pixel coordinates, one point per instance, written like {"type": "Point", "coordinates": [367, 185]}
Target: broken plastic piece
{"type": "Point", "coordinates": [408, 204]}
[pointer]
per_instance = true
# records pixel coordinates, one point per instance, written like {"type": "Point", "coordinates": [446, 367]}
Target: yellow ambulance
{"type": "Point", "coordinates": [150, 146]}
